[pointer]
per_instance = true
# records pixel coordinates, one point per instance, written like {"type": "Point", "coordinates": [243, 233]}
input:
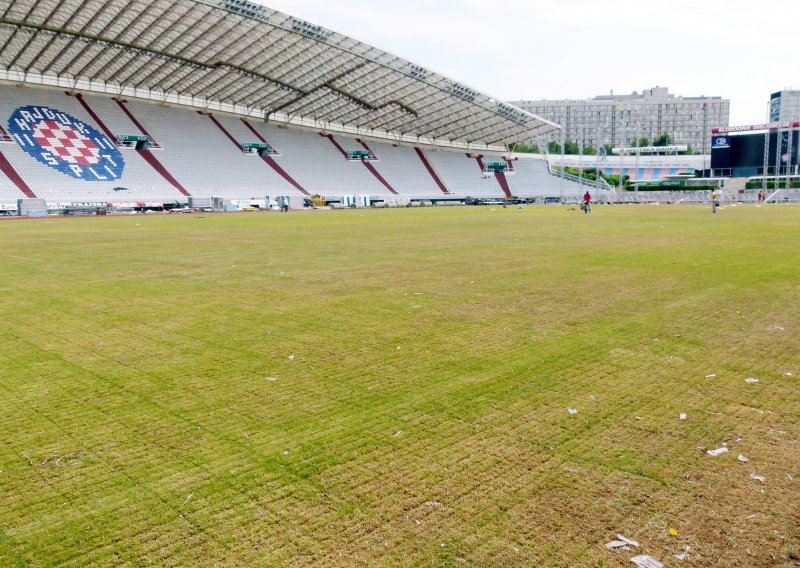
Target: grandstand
{"type": "Point", "coordinates": [163, 101]}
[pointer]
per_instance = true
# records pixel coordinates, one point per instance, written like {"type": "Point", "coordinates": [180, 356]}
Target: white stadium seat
{"type": "Point", "coordinates": [201, 155]}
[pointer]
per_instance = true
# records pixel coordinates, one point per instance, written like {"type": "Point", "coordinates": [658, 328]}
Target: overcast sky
{"type": "Point", "coordinates": [551, 49]}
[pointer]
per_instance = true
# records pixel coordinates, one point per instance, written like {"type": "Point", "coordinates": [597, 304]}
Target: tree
{"type": "Point", "coordinates": [571, 148]}
{"type": "Point", "coordinates": [554, 147]}
{"type": "Point", "coordinates": [526, 149]}
{"type": "Point", "coordinates": [589, 151]}
{"type": "Point", "coordinates": [609, 149]}
{"type": "Point", "coordinates": [643, 142]}
{"type": "Point", "coordinates": [664, 140]}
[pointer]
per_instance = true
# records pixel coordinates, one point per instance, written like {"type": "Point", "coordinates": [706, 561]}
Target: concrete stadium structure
{"type": "Point", "coordinates": [163, 101]}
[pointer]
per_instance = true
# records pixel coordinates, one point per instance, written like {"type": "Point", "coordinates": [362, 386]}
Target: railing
{"type": "Point", "coordinates": [596, 184]}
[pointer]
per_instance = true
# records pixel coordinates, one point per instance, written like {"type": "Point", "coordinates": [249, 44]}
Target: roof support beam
{"type": "Point", "coordinates": [215, 58]}
{"type": "Point", "coordinates": [89, 46]}
{"type": "Point", "coordinates": [53, 38]}
{"type": "Point", "coordinates": [14, 34]}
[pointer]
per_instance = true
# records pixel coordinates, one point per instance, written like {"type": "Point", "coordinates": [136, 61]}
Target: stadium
{"type": "Point", "coordinates": [378, 377]}
{"type": "Point", "coordinates": [152, 114]}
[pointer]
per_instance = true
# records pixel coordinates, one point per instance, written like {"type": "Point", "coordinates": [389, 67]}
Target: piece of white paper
{"type": "Point", "coordinates": [646, 562]}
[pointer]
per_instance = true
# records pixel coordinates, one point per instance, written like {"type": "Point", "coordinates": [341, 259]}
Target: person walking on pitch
{"type": "Point", "coordinates": [587, 202]}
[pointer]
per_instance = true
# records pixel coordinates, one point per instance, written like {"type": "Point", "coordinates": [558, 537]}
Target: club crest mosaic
{"type": "Point", "coordinates": [65, 143]}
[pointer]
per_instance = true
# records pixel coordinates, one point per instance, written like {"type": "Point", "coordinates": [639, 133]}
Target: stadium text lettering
{"type": "Point", "coordinates": [753, 127]}
{"type": "Point", "coordinates": [650, 149]}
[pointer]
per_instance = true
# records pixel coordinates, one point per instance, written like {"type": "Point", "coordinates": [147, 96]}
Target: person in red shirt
{"type": "Point", "coordinates": [587, 202]}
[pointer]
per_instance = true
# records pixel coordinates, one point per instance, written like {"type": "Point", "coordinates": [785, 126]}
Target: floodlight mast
{"type": "Point", "coordinates": [778, 148]}
{"type": "Point", "coordinates": [789, 166]}
{"type": "Point", "coordinates": [766, 155]}
{"type": "Point", "coordinates": [705, 136]}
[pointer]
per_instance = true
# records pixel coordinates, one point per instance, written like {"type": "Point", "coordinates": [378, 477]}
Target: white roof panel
{"type": "Point", "coordinates": [241, 57]}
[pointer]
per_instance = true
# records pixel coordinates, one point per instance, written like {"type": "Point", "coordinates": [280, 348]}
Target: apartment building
{"type": "Point", "coordinates": [618, 120]}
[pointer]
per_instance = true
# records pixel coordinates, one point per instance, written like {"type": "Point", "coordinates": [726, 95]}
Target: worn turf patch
{"type": "Point", "coordinates": [392, 387]}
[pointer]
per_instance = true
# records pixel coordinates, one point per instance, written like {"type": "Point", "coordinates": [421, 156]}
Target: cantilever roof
{"type": "Point", "coordinates": [241, 57]}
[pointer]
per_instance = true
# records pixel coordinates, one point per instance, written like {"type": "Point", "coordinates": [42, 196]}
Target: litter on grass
{"type": "Point", "coordinates": [65, 460]}
{"type": "Point", "coordinates": [622, 542]}
{"type": "Point", "coordinates": [751, 380]}
{"type": "Point", "coordinates": [673, 532]}
{"type": "Point", "coordinates": [684, 555]}
{"type": "Point", "coordinates": [615, 544]}
{"type": "Point", "coordinates": [646, 562]}
{"type": "Point", "coordinates": [271, 379]}
{"type": "Point", "coordinates": [683, 416]}
{"type": "Point", "coordinates": [633, 543]}
{"type": "Point", "coordinates": [711, 376]}
{"type": "Point", "coordinates": [743, 459]}
{"type": "Point", "coordinates": [572, 411]}
{"type": "Point", "coordinates": [291, 357]}
{"type": "Point", "coordinates": [755, 477]}
{"type": "Point", "coordinates": [717, 452]}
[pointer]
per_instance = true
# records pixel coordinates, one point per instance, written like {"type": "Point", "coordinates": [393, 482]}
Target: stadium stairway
{"type": "Point", "coordinates": [12, 186]}
{"type": "Point", "coordinates": [135, 127]}
{"type": "Point", "coordinates": [373, 170]}
{"type": "Point", "coordinates": [365, 163]}
{"type": "Point", "coordinates": [432, 171]}
{"type": "Point", "coordinates": [501, 179]}
{"type": "Point", "coordinates": [463, 175]}
{"type": "Point", "coordinates": [204, 158]}
{"type": "Point", "coordinates": [239, 132]}
{"type": "Point", "coordinates": [499, 176]}
{"type": "Point", "coordinates": [271, 161]}
{"type": "Point", "coordinates": [317, 165]}
{"type": "Point", "coordinates": [402, 169]}
{"type": "Point", "coordinates": [532, 178]}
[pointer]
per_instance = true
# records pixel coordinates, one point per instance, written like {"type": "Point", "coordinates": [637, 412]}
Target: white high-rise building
{"type": "Point", "coordinates": [619, 120]}
{"type": "Point", "coordinates": [784, 106]}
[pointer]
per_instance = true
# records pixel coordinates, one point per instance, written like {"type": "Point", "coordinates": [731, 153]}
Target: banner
{"type": "Point", "coordinates": [753, 127]}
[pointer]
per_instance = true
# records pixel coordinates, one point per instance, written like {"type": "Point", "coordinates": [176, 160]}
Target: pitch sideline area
{"type": "Point", "coordinates": [391, 387]}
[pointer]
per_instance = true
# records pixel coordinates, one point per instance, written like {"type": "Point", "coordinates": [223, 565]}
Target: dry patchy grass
{"type": "Point", "coordinates": [423, 420]}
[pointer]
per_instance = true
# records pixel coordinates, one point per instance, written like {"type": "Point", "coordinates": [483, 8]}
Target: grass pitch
{"type": "Point", "coordinates": [423, 420]}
